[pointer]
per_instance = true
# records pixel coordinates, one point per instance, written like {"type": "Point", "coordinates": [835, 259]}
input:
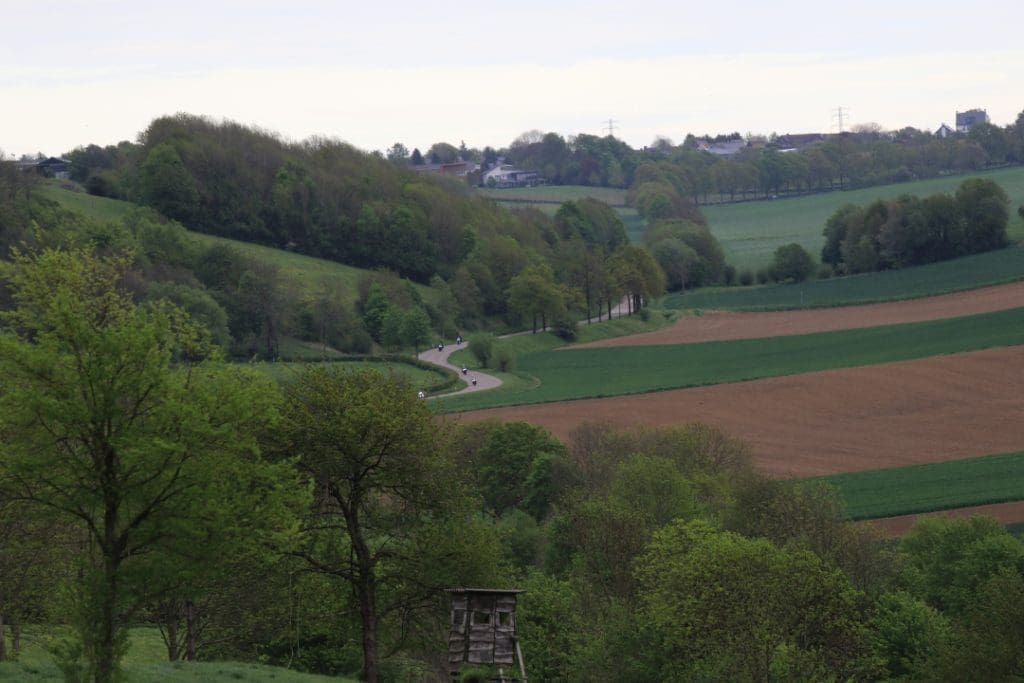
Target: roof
{"type": "Point", "coordinates": [495, 591]}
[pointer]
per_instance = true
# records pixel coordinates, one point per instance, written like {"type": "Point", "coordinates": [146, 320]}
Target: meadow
{"type": "Point", "coordinates": [970, 272]}
{"type": "Point", "coordinates": [310, 274]}
{"type": "Point", "coordinates": [750, 232]}
{"type": "Point", "coordinates": [146, 662]}
{"type": "Point", "coordinates": [419, 377]}
{"type": "Point", "coordinates": [597, 372]}
{"type": "Point", "coordinates": [936, 486]}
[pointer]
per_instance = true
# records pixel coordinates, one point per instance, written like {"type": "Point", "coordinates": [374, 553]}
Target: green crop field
{"type": "Point", "coordinates": [587, 373]}
{"type": "Point", "coordinates": [970, 272]}
{"type": "Point", "coordinates": [556, 194]}
{"type": "Point", "coordinates": [309, 273]}
{"type": "Point", "coordinates": [146, 662]}
{"type": "Point", "coordinates": [418, 377]}
{"type": "Point", "coordinates": [750, 232]}
{"type": "Point", "coordinates": [935, 486]}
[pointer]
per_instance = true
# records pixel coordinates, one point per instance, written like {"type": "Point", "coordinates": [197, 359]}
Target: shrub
{"type": "Point", "coordinates": [746, 277]}
{"type": "Point", "coordinates": [503, 359]}
{"type": "Point", "coordinates": [825, 271]}
{"type": "Point", "coordinates": [564, 327]}
{"type": "Point", "coordinates": [763, 276]}
{"type": "Point", "coordinates": [792, 262]}
{"type": "Point", "coordinates": [482, 346]}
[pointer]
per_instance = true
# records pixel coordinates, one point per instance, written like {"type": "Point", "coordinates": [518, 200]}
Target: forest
{"type": "Point", "coordinates": [314, 524]}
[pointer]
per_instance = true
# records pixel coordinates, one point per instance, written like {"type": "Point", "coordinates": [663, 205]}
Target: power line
{"type": "Point", "coordinates": [609, 127]}
{"type": "Point", "coordinates": [838, 116]}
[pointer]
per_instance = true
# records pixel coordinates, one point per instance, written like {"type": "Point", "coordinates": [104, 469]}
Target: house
{"type": "Point", "coordinates": [944, 131]}
{"type": "Point", "coordinates": [798, 141]}
{"type": "Point", "coordinates": [459, 169]}
{"type": "Point", "coordinates": [506, 175]}
{"type": "Point", "coordinates": [965, 120]}
{"type": "Point", "coordinates": [727, 148]}
{"type": "Point", "coordinates": [50, 168]}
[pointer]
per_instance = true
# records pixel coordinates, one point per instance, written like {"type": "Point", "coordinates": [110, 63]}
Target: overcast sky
{"type": "Point", "coordinates": [76, 72]}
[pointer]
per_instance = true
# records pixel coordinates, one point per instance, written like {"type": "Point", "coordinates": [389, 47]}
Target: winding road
{"type": "Point", "coordinates": [440, 358]}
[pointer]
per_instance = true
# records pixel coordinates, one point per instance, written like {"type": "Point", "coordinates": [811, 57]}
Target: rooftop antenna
{"type": "Point", "coordinates": [837, 116]}
{"type": "Point", "coordinates": [609, 127]}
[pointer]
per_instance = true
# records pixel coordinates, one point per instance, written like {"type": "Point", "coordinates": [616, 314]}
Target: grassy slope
{"type": "Point", "coordinates": [751, 231]}
{"type": "Point", "coordinates": [587, 373]}
{"type": "Point", "coordinates": [556, 194]}
{"type": "Point", "coordinates": [980, 270]}
{"type": "Point", "coordinates": [146, 662]}
{"type": "Point", "coordinates": [419, 378]}
{"type": "Point", "coordinates": [307, 272]}
{"type": "Point", "coordinates": [935, 486]}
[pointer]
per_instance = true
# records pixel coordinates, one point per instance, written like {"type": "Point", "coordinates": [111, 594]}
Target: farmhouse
{"type": "Point", "coordinates": [459, 169]}
{"type": "Point", "coordinates": [965, 120]}
{"type": "Point", "coordinates": [506, 175]}
{"type": "Point", "coordinates": [944, 131]}
{"type": "Point", "coordinates": [51, 167]}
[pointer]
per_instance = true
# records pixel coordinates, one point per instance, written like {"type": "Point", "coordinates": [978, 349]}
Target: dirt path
{"type": "Point", "coordinates": [720, 325]}
{"type": "Point", "coordinates": [918, 411]}
{"type": "Point", "coordinates": [1007, 513]}
{"type": "Point", "coordinates": [440, 358]}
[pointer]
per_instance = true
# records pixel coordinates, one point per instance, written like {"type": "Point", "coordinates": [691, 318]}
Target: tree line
{"type": "Point", "coordinates": [145, 481]}
{"type": "Point", "coordinates": [912, 231]}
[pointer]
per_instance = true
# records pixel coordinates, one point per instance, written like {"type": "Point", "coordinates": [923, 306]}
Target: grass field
{"type": "Point", "coordinates": [309, 273]}
{"type": "Point", "coordinates": [146, 662]}
{"type": "Point", "coordinates": [588, 373]}
{"type": "Point", "coordinates": [931, 487]}
{"type": "Point", "coordinates": [419, 378]}
{"type": "Point", "coordinates": [971, 272]}
{"type": "Point", "coordinates": [555, 194]}
{"type": "Point", "coordinates": [750, 232]}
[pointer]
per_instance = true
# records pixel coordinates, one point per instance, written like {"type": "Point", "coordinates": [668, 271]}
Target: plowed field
{"type": "Point", "coordinates": [919, 411]}
{"type": "Point", "coordinates": [720, 325]}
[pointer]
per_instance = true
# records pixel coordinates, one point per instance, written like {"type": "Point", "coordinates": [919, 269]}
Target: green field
{"type": "Point", "coordinates": [555, 194]}
{"type": "Point", "coordinates": [589, 373]}
{"type": "Point", "coordinates": [970, 272]}
{"type": "Point", "coordinates": [750, 232]}
{"type": "Point", "coordinates": [309, 273]}
{"type": "Point", "coordinates": [146, 662]}
{"type": "Point", "coordinates": [418, 377]}
{"type": "Point", "coordinates": [935, 486]}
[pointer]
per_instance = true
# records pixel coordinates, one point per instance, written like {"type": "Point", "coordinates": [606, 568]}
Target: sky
{"type": "Point", "coordinates": [76, 72]}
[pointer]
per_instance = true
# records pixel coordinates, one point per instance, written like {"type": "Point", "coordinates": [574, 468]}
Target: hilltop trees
{"type": "Point", "coordinates": [909, 231]}
{"type": "Point", "coordinates": [118, 420]}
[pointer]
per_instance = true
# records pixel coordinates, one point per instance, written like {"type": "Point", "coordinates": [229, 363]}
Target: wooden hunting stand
{"type": "Point", "coordinates": [483, 631]}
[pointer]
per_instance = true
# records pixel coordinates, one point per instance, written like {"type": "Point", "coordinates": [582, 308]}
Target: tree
{"type": "Point", "coordinates": [415, 328]}
{"type": "Point", "coordinates": [726, 607]}
{"type": "Point", "coordinates": [792, 262]}
{"type": "Point", "coordinates": [638, 274]}
{"type": "Point", "coordinates": [164, 183]}
{"type": "Point", "coordinates": [388, 503]}
{"type": "Point", "coordinates": [398, 154]}
{"type": "Point", "coordinates": [118, 419]}
{"type": "Point", "coordinates": [951, 558]}
{"type": "Point", "coordinates": [533, 293]}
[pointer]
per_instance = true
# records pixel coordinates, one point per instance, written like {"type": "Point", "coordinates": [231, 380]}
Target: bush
{"type": "Point", "coordinates": [645, 315]}
{"type": "Point", "coordinates": [565, 328]}
{"type": "Point", "coordinates": [729, 274]}
{"type": "Point", "coordinates": [482, 346]}
{"type": "Point", "coordinates": [746, 277]}
{"type": "Point", "coordinates": [503, 359]}
{"type": "Point", "coordinates": [763, 276]}
{"type": "Point", "coordinates": [792, 262]}
{"type": "Point", "coordinates": [825, 271]}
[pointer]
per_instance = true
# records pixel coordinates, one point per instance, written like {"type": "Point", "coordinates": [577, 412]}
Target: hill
{"type": "Point", "coordinates": [750, 232]}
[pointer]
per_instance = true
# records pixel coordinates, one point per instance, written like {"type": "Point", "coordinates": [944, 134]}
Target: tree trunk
{"type": "Point", "coordinates": [191, 631]}
{"type": "Point", "coordinates": [3, 640]}
{"type": "Point", "coordinates": [368, 613]}
{"type": "Point", "coordinates": [16, 636]}
{"type": "Point", "coordinates": [171, 636]}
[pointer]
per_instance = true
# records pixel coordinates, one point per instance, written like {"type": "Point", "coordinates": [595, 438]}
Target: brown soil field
{"type": "Point", "coordinates": [1007, 513]}
{"type": "Point", "coordinates": [940, 408]}
{"type": "Point", "coordinates": [720, 325]}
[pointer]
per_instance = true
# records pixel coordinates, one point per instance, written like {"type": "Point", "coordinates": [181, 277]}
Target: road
{"type": "Point", "coordinates": [440, 358]}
